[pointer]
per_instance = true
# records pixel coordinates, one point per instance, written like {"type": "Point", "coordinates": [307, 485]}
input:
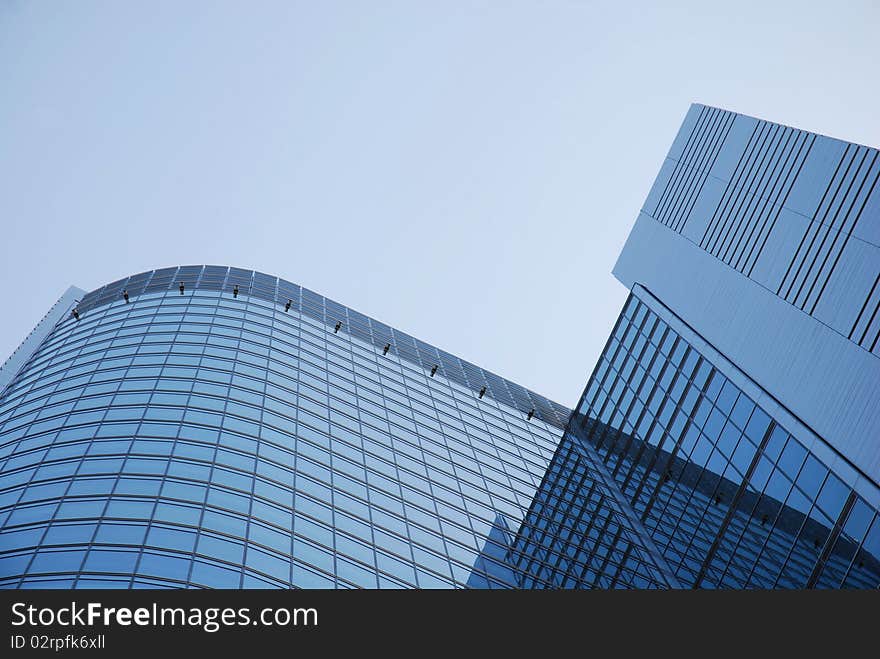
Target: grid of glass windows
{"type": "Point", "coordinates": [576, 534]}
{"type": "Point", "coordinates": [725, 493]}
{"type": "Point", "coordinates": [312, 305]}
{"type": "Point", "coordinates": [190, 437]}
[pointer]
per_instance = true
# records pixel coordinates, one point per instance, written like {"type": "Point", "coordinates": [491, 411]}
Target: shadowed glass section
{"type": "Point", "coordinates": [720, 489]}
{"type": "Point", "coordinates": [578, 534]}
{"type": "Point", "coordinates": [494, 560]}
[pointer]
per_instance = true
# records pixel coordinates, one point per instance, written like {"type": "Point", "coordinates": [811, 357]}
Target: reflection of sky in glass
{"type": "Point", "coordinates": [206, 440]}
{"type": "Point", "coordinates": [727, 496]}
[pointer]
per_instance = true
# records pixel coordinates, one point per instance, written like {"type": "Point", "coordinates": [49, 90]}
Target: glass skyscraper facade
{"type": "Point", "coordinates": [215, 427]}
{"type": "Point", "coordinates": [729, 436]}
{"type": "Point", "coordinates": [206, 426]}
{"type": "Point", "coordinates": [724, 495]}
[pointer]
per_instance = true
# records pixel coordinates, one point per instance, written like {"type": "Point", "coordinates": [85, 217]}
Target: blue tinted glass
{"type": "Point", "coordinates": [812, 476]}
{"type": "Point", "coordinates": [858, 520]}
{"type": "Point", "coordinates": [309, 455]}
{"type": "Point", "coordinates": [727, 398]}
{"type": "Point", "coordinates": [792, 458]}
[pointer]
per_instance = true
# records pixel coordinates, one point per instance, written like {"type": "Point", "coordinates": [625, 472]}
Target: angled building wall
{"type": "Point", "coordinates": [766, 240]}
{"type": "Point", "coordinates": [736, 407]}
{"type": "Point", "coordinates": [718, 490]}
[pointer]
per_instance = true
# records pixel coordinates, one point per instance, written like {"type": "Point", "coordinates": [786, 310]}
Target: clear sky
{"type": "Point", "coordinates": [464, 171]}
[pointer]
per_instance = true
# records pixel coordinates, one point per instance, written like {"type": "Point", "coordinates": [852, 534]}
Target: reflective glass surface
{"type": "Point", "coordinates": [208, 438]}
{"type": "Point", "coordinates": [723, 494]}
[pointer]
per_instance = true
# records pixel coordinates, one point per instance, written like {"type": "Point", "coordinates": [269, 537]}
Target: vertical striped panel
{"type": "Point", "coordinates": [749, 207]}
{"type": "Point", "coordinates": [866, 327]}
{"type": "Point", "coordinates": [825, 186]}
{"type": "Point", "coordinates": [689, 175]}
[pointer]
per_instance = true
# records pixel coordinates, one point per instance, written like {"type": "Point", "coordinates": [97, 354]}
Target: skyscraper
{"type": "Point", "coordinates": [215, 427]}
{"type": "Point", "coordinates": [207, 426]}
{"type": "Point", "coordinates": [730, 434]}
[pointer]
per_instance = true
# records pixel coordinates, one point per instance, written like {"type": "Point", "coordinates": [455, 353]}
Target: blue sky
{"type": "Point", "coordinates": [464, 171]}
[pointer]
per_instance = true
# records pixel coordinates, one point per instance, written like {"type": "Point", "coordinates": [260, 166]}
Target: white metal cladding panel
{"type": "Point", "coordinates": [701, 216]}
{"type": "Point", "coordinates": [780, 245]}
{"type": "Point", "coordinates": [796, 212]}
{"type": "Point", "coordinates": [868, 227]}
{"type": "Point", "coordinates": [848, 289]}
{"type": "Point", "coordinates": [827, 381]}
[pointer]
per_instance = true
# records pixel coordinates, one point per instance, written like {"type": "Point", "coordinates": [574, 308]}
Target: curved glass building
{"type": "Point", "coordinates": [215, 427]}
{"type": "Point", "coordinates": [207, 426]}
